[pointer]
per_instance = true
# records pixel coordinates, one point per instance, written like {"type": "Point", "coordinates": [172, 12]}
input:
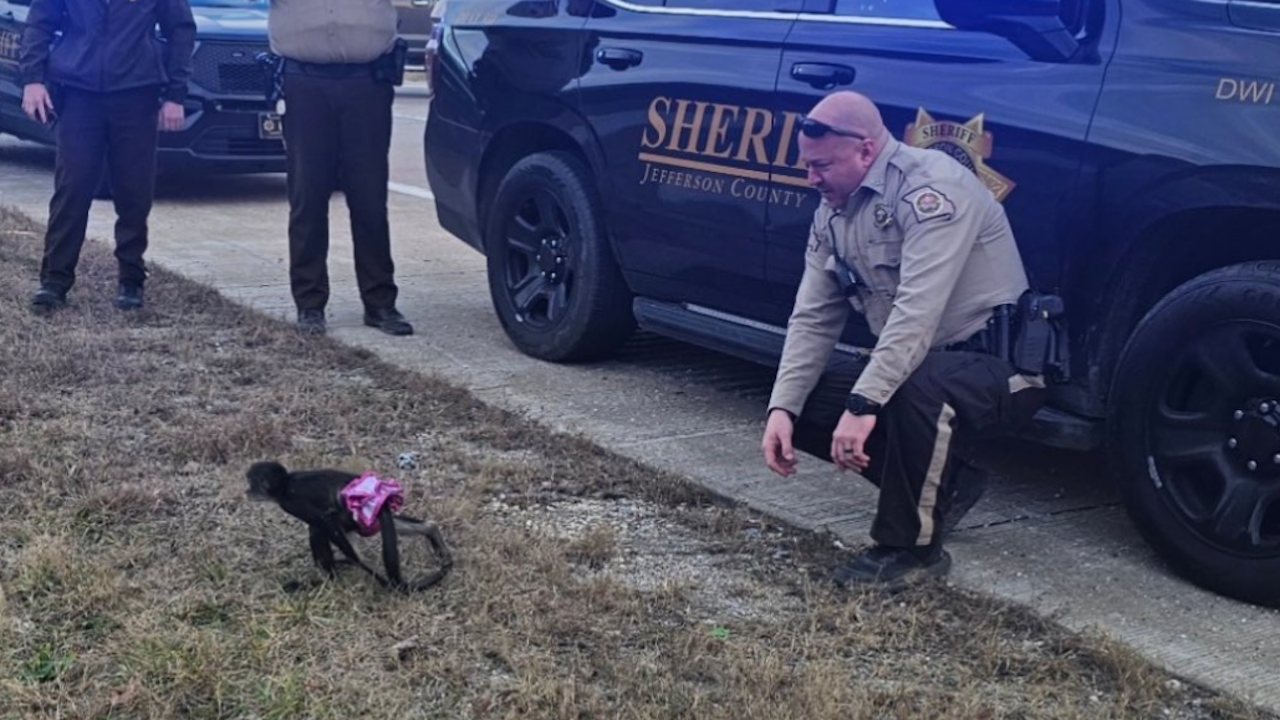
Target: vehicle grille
{"type": "Point", "coordinates": [229, 68]}
{"type": "Point", "coordinates": [227, 141]}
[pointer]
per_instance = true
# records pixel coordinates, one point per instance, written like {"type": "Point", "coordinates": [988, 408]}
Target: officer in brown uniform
{"type": "Point", "coordinates": [915, 242]}
{"type": "Point", "coordinates": [337, 131]}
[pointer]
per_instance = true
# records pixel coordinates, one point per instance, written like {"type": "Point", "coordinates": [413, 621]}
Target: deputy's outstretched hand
{"type": "Point", "coordinates": [849, 441]}
{"type": "Point", "coordinates": [779, 455]}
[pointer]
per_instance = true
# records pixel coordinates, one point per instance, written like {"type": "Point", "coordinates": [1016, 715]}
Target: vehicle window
{"type": "Point", "coordinates": [894, 9]}
{"type": "Point", "coordinates": [260, 4]}
{"type": "Point", "coordinates": [747, 5]}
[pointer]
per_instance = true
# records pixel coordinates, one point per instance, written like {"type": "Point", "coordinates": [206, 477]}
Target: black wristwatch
{"type": "Point", "coordinates": [859, 405]}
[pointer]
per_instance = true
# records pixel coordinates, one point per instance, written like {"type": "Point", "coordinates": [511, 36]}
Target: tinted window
{"type": "Point", "coordinates": [747, 5]}
{"type": "Point", "coordinates": [259, 4]}
{"type": "Point", "coordinates": [896, 9]}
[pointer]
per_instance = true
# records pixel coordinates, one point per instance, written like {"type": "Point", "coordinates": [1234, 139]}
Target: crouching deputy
{"type": "Point", "coordinates": [915, 242]}
{"type": "Point", "coordinates": [340, 62]}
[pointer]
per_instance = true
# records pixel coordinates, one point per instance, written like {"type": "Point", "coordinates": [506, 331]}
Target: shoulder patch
{"type": "Point", "coordinates": [930, 204]}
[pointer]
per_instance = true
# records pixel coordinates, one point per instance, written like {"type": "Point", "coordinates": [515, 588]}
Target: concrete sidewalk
{"type": "Point", "coordinates": [1051, 534]}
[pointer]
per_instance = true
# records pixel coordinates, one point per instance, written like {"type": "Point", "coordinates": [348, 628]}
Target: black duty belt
{"type": "Point", "coordinates": [330, 70]}
{"type": "Point", "coordinates": [979, 342]}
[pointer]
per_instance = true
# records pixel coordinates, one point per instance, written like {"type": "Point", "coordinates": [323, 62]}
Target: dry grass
{"type": "Point", "coordinates": [137, 583]}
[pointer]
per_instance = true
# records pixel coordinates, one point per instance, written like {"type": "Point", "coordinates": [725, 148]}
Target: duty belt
{"type": "Point", "coordinates": [978, 342]}
{"type": "Point", "coordinates": [330, 70]}
{"type": "Point", "coordinates": [997, 338]}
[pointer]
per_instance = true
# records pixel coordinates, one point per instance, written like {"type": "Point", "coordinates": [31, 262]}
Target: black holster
{"type": "Point", "coordinates": [390, 67]}
{"type": "Point", "coordinates": [273, 69]}
{"type": "Point", "coordinates": [1041, 344]}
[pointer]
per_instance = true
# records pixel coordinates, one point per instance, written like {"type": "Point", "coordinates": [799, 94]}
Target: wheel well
{"type": "Point", "coordinates": [509, 146]}
{"type": "Point", "coordinates": [1168, 253]}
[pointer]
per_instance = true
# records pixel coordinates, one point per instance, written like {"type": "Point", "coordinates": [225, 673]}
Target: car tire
{"type": "Point", "coordinates": [555, 285]}
{"type": "Point", "coordinates": [1194, 430]}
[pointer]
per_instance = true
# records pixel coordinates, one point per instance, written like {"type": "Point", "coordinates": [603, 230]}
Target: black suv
{"type": "Point", "coordinates": [229, 127]}
{"type": "Point", "coordinates": [624, 162]}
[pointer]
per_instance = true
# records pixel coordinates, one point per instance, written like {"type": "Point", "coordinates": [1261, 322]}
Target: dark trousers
{"type": "Point", "coordinates": [118, 131]}
{"type": "Point", "coordinates": [917, 448]}
{"type": "Point", "coordinates": [337, 134]}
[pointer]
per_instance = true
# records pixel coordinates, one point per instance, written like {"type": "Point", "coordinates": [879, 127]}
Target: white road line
{"type": "Point", "coordinates": [411, 190]}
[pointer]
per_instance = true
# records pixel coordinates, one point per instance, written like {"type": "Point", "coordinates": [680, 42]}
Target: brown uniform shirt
{"type": "Point", "coordinates": [332, 31]}
{"type": "Point", "coordinates": [935, 252]}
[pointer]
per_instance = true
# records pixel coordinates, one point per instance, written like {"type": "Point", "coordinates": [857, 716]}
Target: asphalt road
{"type": "Point", "coordinates": [1050, 534]}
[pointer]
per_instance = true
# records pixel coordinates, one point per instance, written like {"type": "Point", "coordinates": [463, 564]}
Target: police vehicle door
{"type": "Point", "coordinates": [1019, 123]}
{"type": "Point", "coordinates": [681, 97]}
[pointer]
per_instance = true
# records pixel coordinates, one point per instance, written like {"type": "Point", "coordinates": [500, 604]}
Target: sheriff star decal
{"type": "Point", "coordinates": [930, 204]}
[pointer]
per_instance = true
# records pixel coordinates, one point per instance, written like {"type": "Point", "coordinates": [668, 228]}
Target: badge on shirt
{"type": "Point", "coordinates": [883, 218]}
{"type": "Point", "coordinates": [929, 204]}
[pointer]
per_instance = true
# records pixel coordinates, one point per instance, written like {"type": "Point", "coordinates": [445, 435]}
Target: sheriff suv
{"type": "Point", "coordinates": [634, 162]}
{"type": "Point", "coordinates": [229, 128]}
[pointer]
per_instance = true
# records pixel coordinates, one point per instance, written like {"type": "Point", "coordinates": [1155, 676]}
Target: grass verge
{"type": "Point", "coordinates": [137, 583]}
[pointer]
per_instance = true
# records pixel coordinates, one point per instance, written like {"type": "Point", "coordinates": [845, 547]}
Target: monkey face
{"type": "Point", "coordinates": [267, 481]}
{"type": "Point", "coordinates": [257, 491]}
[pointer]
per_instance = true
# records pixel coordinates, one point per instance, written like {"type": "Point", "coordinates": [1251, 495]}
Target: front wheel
{"type": "Point", "coordinates": [552, 277]}
{"type": "Point", "coordinates": [1195, 430]}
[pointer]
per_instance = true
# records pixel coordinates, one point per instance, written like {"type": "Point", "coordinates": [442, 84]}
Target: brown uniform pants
{"type": "Point", "coordinates": [952, 399]}
{"type": "Point", "coordinates": [337, 132]}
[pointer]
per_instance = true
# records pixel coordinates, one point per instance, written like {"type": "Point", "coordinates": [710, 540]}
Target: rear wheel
{"type": "Point", "coordinates": [1195, 430]}
{"type": "Point", "coordinates": [554, 282]}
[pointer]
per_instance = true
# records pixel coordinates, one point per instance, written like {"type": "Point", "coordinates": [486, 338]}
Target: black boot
{"type": "Point", "coordinates": [891, 568]}
{"type": "Point", "coordinates": [47, 299]}
{"type": "Point", "coordinates": [129, 296]}
{"type": "Point", "coordinates": [388, 320]}
{"type": "Point", "coordinates": [311, 321]}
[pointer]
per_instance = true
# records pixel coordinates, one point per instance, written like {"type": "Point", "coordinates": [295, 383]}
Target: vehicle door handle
{"type": "Point", "coordinates": [619, 58]}
{"type": "Point", "coordinates": [822, 75]}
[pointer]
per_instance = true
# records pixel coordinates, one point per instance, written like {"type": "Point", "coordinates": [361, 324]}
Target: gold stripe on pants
{"type": "Point", "coordinates": [933, 478]}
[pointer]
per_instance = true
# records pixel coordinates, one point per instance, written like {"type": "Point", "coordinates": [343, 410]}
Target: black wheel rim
{"type": "Point", "coordinates": [1213, 437]}
{"type": "Point", "coordinates": [539, 268]}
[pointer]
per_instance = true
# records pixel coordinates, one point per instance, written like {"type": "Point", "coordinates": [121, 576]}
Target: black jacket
{"type": "Point", "coordinates": [109, 45]}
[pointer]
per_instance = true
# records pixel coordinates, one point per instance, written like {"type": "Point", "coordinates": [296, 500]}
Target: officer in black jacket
{"type": "Point", "coordinates": [107, 86]}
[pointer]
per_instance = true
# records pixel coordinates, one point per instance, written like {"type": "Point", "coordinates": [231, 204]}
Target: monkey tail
{"type": "Point", "coordinates": [429, 580]}
{"type": "Point", "coordinates": [431, 533]}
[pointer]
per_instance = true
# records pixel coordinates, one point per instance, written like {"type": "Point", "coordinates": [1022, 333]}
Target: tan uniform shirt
{"type": "Point", "coordinates": [935, 253]}
{"type": "Point", "coordinates": [332, 31]}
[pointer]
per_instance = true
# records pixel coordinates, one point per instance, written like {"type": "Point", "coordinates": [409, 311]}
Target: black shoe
{"type": "Point", "coordinates": [47, 299]}
{"type": "Point", "coordinates": [969, 487]}
{"type": "Point", "coordinates": [311, 321]}
{"type": "Point", "coordinates": [388, 320]}
{"type": "Point", "coordinates": [129, 297]}
{"type": "Point", "coordinates": [891, 568]}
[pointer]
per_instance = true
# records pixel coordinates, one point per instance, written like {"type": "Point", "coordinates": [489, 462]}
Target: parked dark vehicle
{"type": "Point", "coordinates": [633, 162]}
{"type": "Point", "coordinates": [229, 128]}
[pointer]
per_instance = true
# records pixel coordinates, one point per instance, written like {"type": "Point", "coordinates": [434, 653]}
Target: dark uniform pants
{"type": "Point", "coordinates": [337, 133]}
{"type": "Point", "coordinates": [117, 130]}
{"type": "Point", "coordinates": [916, 449]}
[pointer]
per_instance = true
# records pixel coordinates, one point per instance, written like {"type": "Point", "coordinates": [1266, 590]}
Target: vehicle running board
{"type": "Point", "coordinates": [762, 344]}
{"type": "Point", "coordinates": [740, 337]}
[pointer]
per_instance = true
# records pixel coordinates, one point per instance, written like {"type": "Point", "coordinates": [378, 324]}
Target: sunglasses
{"type": "Point", "coordinates": [816, 129]}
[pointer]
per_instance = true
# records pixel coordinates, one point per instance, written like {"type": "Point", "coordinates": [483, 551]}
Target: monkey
{"type": "Point", "coordinates": [315, 497]}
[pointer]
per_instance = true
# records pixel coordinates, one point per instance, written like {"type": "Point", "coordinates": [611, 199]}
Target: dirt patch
{"type": "Point", "coordinates": [138, 583]}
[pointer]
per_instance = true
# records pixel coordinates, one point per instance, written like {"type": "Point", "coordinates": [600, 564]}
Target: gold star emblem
{"type": "Point", "coordinates": [967, 142]}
